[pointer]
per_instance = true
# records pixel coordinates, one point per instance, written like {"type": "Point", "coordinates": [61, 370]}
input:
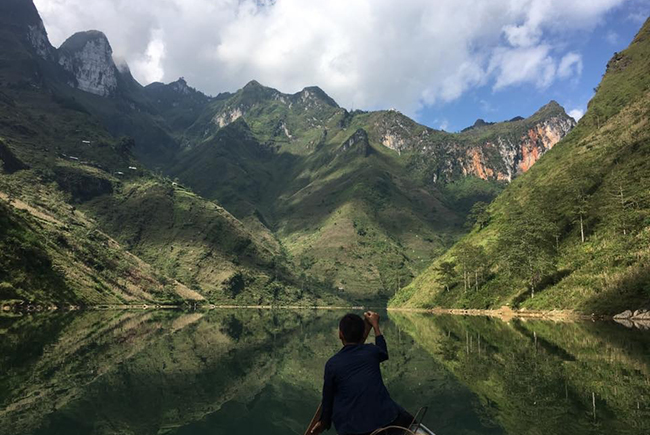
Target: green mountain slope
{"type": "Point", "coordinates": [329, 199]}
{"type": "Point", "coordinates": [51, 254]}
{"type": "Point", "coordinates": [78, 203]}
{"type": "Point", "coordinates": [572, 232]}
{"type": "Point", "coordinates": [362, 200]}
{"type": "Point", "coordinates": [90, 188]}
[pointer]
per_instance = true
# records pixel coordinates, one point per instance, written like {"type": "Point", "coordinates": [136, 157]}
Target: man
{"type": "Point", "coordinates": [354, 395]}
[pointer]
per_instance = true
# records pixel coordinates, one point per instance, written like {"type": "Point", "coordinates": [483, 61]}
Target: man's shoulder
{"type": "Point", "coordinates": [332, 360]}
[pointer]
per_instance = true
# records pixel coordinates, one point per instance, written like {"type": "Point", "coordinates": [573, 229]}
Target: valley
{"type": "Point", "coordinates": [118, 193]}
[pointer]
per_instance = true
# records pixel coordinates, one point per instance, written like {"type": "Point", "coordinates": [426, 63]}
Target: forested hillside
{"type": "Point", "coordinates": [573, 232]}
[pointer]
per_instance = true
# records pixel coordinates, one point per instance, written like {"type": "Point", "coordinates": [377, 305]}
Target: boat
{"type": "Point", "coordinates": [416, 427]}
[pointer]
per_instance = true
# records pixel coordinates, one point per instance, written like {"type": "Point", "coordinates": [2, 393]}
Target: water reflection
{"type": "Point", "coordinates": [259, 371]}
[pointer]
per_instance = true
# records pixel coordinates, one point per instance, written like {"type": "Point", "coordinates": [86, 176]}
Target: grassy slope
{"type": "Point", "coordinates": [40, 131]}
{"type": "Point", "coordinates": [50, 253]}
{"type": "Point", "coordinates": [199, 243]}
{"type": "Point", "coordinates": [609, 148]}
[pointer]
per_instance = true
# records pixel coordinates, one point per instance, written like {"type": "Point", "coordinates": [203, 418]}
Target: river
{"type": "Point", "coordinates": [245, 372]}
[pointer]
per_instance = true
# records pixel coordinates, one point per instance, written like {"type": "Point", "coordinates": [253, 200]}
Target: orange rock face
{"type": "Point", "coordinates": [524, 154]}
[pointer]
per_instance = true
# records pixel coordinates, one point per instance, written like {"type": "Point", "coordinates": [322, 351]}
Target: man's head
{"type": "Point", "coordinates": [351, 329]}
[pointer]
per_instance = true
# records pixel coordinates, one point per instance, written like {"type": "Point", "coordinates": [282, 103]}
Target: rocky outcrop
{"type": "Point", "coordinates": [491, 151]}
{"type": "Point", "coordinates": [643, 315]}
{"type": "Point", "coordinates": [226, 118]}
{"type": "Point", "coordinates": [88, 57]}
{"type": "Point", "coordinates": [639, 319]}
{"type": "Point", "coordinates": [357, 143]}
{"type": "Point", "coordinates": [37, 37]}
{"type": "Point", "coordinates": [20, 18]}
{"type": "Point", "coordinates": [314, 96]}
{"type": "Point", "coordinates": [181, 87]}
{"type": "Point", "coordinates": [515, 155]}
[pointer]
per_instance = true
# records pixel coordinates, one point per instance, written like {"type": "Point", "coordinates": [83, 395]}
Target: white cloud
{"type": "Point", "coordinates": [570, 66]}
{"type": "Point", "coordinates": [150, 65]}
{"type": "Point", "coordinates": [364, 53]}
{"type": "Point", "coordinates": [576, 114]}
{"type": "Point", "coordinates": [515, 66]}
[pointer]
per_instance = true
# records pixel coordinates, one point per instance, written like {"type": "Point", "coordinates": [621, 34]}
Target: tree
{"type": "Point", "coordinates": [473, 262]}
{"type": "Point", "coordinates": [526, 244]}
{"type": "Point", "coordinates": [621, 203]}
{"type": "Point", "coordinates": [578, 192]}
{"type": "Point", "coordinates": [447, 272]}
{"type": "Point", "coordinates": [478, 215]}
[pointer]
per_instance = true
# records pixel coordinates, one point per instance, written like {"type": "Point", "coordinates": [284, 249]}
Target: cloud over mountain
{"type": "Point", "coordinates": [365, 53]}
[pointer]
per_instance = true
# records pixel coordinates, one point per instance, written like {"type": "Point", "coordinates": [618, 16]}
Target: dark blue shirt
{"type": "Point", "coordinates": [354, 395]}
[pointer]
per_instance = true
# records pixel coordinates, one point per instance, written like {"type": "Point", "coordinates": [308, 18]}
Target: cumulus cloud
{"type": "Point", "coordinates": [570, 66]}
{"type": "Point", "coordinates": [364, 53]}
{"type": "Point", "coordinates": [150, 66]}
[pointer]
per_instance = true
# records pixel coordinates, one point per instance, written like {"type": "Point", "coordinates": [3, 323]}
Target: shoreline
{"type": "Point", "coordinates": [507, 313]}
{"type": "Point", "coordinates": [503, 313]}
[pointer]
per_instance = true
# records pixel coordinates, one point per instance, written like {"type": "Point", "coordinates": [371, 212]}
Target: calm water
{"type": "Point", "coordinates": [259, 372]}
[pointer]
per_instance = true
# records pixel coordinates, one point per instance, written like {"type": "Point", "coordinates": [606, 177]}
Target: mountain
{"type": "Point", "coordinates": [84, 220]}
{"type": "Point", "coordinates": [572, 232]}
{"type": "Point", "coordinates": [270, 196]}
{"type": "Point", "coordinates": [361, 199]}
{"type": "Point", "coordinates": [178, 103]}
{"type": "Point", "coordinates": [26, 47]}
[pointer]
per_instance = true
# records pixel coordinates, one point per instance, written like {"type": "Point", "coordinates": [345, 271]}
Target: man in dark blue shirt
{"type": "Point", "coordinates": [354, 395]}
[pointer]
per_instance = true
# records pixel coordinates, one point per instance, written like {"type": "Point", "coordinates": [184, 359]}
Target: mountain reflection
{"type": "Point", "coordinates": [260, 371]}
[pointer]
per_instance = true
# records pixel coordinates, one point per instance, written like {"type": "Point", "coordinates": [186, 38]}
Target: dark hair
{"type": "Point", "coordinates": [352, 327]}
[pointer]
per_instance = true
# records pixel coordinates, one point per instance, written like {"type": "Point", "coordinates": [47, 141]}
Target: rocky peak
{"type": "Point", "coordinates": [88, 57]}
{"type": "Point", "coordinates": [517, 150]}
{"type": "Point", "coordinates": [22, 18]}
{"type": "Point", "coordinates": [38, 39]}
{"type": "Point", "coordinates": [181, 86]}
{"type": "Point", "coordinates": [478, 124]}
{"type": "Point", "coordinates": [253, 84]}
{"type": "Point", "coordinates": [552, 108]}
{"type": "Point", "coordinates": [312, 94]}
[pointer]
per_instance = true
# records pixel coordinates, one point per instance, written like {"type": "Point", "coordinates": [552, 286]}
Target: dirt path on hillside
{"type": "Point", "coordinates": [20, 205]}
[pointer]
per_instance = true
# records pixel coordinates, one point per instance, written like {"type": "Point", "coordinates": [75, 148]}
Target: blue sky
{"type": "Point", "coordinates": [443, 62]}
{"type": "Point", "coordinates": [596, 48]}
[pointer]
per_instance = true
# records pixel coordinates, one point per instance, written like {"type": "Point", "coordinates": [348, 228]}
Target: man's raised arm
{"type": "Point", "coordinates": [372, 319]}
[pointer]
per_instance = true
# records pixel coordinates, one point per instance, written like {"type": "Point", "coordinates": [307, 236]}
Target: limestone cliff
{"type": "Point", "coordinates": [516, 154]}
{"type": "Point", "coordinates": [88, 56]}
{"type": "Point", "coordinates": [491, 151]}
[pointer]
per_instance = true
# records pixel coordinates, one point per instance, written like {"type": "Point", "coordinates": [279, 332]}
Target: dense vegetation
{"type": "Point", "coordinates": [572, 232]}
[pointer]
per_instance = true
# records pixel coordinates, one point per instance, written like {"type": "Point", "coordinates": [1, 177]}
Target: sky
{"type": "Point", "coordinates": [445, 62]}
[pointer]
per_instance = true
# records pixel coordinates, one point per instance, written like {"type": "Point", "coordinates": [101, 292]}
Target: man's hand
{"type": "Point", "coordinates": [317, 429]}
{"type": "Point", "coordinates": [372, 318]}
